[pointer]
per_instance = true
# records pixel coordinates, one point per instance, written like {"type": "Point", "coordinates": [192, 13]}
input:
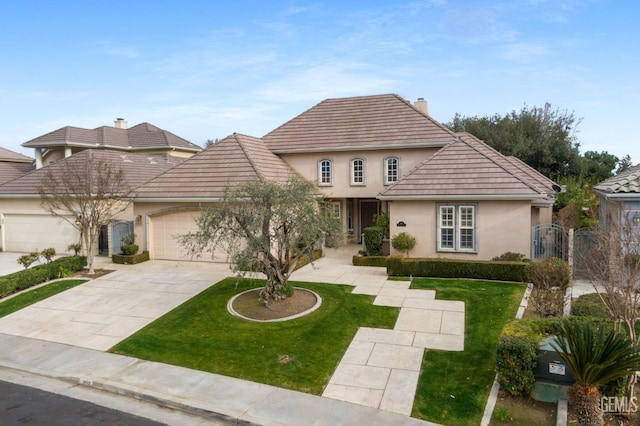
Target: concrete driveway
{"type": "Point", "coordinates": [106, 310]}
{"type": "Point", "coordinates": [9, 263]}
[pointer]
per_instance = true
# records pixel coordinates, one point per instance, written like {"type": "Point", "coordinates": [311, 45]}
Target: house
{"type": "Point", "coordinates": [368, 155]}
{"type": "Point", "coordinates": [620, 198]}
{"type": "Point", "coordinates": [13, 165]}
{"type": "Point", "coordinates": [143, 152]}
{"type": "Point", "coordinates": [142, 139]}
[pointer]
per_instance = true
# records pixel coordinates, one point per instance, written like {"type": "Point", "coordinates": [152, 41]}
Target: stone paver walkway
{"type": "Point", "coordinates": [381, 367]}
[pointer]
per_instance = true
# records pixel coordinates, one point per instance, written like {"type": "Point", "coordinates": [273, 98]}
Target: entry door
{"type": "Point", "coordinates": [367, 210]}
{"type": "Point", "coordinates": [118, 231]}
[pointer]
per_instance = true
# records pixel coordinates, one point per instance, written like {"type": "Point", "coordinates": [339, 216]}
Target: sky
{"type": "Point", "coordinates": [205, 69]}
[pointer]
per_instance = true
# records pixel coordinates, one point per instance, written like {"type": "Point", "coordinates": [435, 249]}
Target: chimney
{"type": "Point", "coordinates": [120, 123]}
{"type": "Point", "coordinates": [422, 106]}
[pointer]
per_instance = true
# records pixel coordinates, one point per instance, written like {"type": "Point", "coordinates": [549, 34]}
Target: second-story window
{"type": "Point", "coordinates": [357, 171]}
{"type": "Point", "coordinates": [325, 172]}
{"type": "Point", "coordinates": [391, 170]}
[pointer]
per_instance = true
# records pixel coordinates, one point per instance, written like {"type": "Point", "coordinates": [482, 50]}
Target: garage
{"type": "Point", "coordinates": [164, 231]}
{"type": "Point", "coordinates": [30, 232]}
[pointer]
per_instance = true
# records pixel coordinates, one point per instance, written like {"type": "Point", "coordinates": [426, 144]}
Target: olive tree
{"type": "Point", "coordinates": [265, 226]}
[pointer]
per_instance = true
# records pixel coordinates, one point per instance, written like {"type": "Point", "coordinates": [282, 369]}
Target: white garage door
{"type": "Point", "coordinates": [26, 233]}
{"type": "Point", "coordinates": [164, 231]}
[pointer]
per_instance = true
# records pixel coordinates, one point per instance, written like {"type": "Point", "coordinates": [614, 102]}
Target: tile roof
{"type": "Point", "coordinates": [6, 155]}
{"type": "Point", "coordinates": [139, 137]}
{"type": "Point", "coordinates": [365, 122]}
{"type": "Point", "coordinates": [137, 170]}
{"type": "Point", "coordinates": [231, 161]}
{"type": "Point", "coordinates": [469, 167]}
{"type": "Point", "coordinates": [13, 165]}
{"type": "Point", "coordinates": [627, 182]}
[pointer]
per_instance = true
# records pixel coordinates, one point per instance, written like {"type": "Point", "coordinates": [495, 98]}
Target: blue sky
{"type": "Point", "coordinates": [206, 69]}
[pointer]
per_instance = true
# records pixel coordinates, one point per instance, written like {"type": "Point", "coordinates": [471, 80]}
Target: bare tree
{"type": "Point", "coordinates": [613, 267]}
{"type": "Point", "coordinates": [86, 190]}
{"type": "Point", "coordinates": [265, 226]}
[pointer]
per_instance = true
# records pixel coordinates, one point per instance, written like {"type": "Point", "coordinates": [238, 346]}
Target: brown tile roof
{"type": "Point", "coordinates": [470, 168]}
{"type": "Point", "coordinates": [627, 182]}
{"type": "Point", "coordinates": [232, 161]}
{"type": "Point", "coordinates": [10, 170]}
{"type": "Point", "coordinates": [140, 137]}
{"type": "Point", "coordinates": [137, 170]}
{"type": "Point", "coordinates": [6, 155]}
{"type": "Point", "coordinates": [365, 122]}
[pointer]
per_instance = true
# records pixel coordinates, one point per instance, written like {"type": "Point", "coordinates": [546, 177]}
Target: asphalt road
{"type": "Point", "coordinates": [20, 405]}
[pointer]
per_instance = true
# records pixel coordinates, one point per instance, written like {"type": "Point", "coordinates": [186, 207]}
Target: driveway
{"type": "Point", "coordinates": [9, 262]}
{"type": "Point", "coordinates": [106, 310]}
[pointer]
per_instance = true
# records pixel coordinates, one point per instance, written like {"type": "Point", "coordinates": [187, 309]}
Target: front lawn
{"type": "Point", "coordinates": [32, 296]}
{"type": "Point", "coordinates": [454, 386]}
{"type": "Point", "coordinates": [299, 354]}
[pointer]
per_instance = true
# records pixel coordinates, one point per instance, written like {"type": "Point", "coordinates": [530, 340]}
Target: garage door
{"type": "Point", "coordinates": [26, 233]}
{"type": "Point", "coordinates": [164, 231]}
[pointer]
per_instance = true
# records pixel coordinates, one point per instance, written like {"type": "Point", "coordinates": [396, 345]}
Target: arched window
{"type": "Point", "coordinates": [325, 172]}
{"type": "Point", "coordinates": [391, 170]}
{"type": "Point", "coordinates": [357, 171]}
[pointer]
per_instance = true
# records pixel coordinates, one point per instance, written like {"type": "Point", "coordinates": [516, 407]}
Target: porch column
{"type": "Point", "coordinates": [67, 152]}
{"type": "Point", "coordinates": [38, 154]}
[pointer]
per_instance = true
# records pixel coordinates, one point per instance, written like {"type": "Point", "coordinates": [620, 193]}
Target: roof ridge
{"type": "Point", "coordinates": [248, 157]}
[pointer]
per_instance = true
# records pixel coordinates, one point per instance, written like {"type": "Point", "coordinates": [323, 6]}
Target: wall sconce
{"type": "Point", "coordinates": [636, 219]}
{"type": "Point", "coordinates": [78, 220]}
{"type": "Point", "coordinates": [139, 219]}
{"type": "Point", "coordinates": [401, 224]}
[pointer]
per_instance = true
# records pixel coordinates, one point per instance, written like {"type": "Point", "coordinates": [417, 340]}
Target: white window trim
{"type": "Point", "coordinates": [320, 182]}
{"type": "Point", "coordinates": [352, 172]}
{"type": "Point", "coordinates": [386, 170]}
{"type": "Point", "coordinates": [457, 234]}
{"type": "Point", "coordinates": [335, 208]}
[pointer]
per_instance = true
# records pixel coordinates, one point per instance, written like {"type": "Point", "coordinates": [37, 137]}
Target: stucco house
{"type": "Point", "coordinates": [368, 154]}
{"type": "Point", "coordinates": [143, 152]}
{"type": "Point", "coordinates": [620, 197]}
{"type": "Point", "coordinates": [13, 165]}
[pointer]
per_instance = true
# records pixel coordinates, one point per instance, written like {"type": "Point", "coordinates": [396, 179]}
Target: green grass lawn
{"type": "Point", "coordinates": [454, 386]}
{"type": "Point", "coordinates": [299, 354]}
{"type": "Point", "coordinates": [32, 296]}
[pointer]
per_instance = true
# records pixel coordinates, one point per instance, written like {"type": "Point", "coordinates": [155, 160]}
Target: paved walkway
{"type": "Point", "coordinates": [65, 336]}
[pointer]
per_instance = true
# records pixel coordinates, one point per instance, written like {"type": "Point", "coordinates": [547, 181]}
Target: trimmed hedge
{"type": "Point", "coordinates": [591, 305]}
{"type": "Point", "coordinates": [453, 268]}
{"type": "Point", "coordinates": [369, 261]}
{"type": "Point", "coordinates": [130, 259]}
{"type": "Point", "coordinates": [58, 268]}
{"type": "Point", "coordinates": [305, 260]}
{"type": "Point", "coordinates": [373, 237]}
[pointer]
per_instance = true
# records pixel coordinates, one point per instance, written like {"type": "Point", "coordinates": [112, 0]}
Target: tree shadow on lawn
{"type": "Point", "coordinates": [299, 354]}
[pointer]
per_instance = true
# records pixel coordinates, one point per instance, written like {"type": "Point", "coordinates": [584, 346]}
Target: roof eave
{"type": "Point", "coordinates": [464, 197]}
{"type": "Point", "coordinates": [358, 147]}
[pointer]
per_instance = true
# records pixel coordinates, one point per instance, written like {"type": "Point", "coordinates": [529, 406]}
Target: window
{"type": "Point", "coordinates": [333, 208]}
{"type": "Point", "coordinates": [357, 171]}
{"type": "Point", "coordinates": [391, 170]}
{"type": "Point", "coordinates": [457, 228]}
{"type": "Point", "coordinates": [325, 172]}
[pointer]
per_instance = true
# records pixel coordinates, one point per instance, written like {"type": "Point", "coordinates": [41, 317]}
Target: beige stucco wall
{"type": "Point", "coordinates": [307, 165]}
{"type": "Point", "coordinates": [501, 226]}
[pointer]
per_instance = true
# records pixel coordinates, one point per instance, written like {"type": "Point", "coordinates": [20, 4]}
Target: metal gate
{"type": "Point", "coordinates": [584, 239]}
{"type": "Point", "coordinates": [549, 240]}
{"type": "Point", "coordinates": [118, 231]}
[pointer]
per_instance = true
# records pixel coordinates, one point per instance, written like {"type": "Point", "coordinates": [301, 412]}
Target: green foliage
{"type": "Point", "coordinates": [75, 248]}
{"type": "Point", "coordinates": [509, 256]}
{"type": "Point", "coordinates": [380, 261]}
{"type": "Point", "coordinates": [130, 259]}
{"type": "Point", "coordinates": [58, 268]}
{"type": "Point", "coordinates": [128, 239]}
{"type": "Point", "coordinates": [450, 268]}
{"type": "Point", "coordinates": [373, 237]}
{"type": "Point", "coordinates": [598, 166]}
{"type": "Point", "coordinates": [28, 259]}
{"type": "Point", "coordinates": [403, 242]}
{"type": "Point", "coordinates": [591, 305]}
{"type": "Point", "coordinates": [515, 361]}
{"type": "Point", "coordinates": [30, 297]}
{"type": "Point", "coordinates": [129, 249]}
{"type": "Point", "coordinates": [550, 279]}
{"type": "Point", "coordinates": [48, 253]}
{"type": "Point", "coordinates": [577, 206]}
{"type": "Point", "coordinates": [382, 221]}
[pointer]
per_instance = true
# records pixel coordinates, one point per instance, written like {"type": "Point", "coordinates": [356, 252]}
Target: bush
{"type": "Point", "coordinates": [28, 259]}
{"type": "Point", "coordinates": [591, 305]}
{"type": "Point", "coordinates": [450, 268]}
{"type": "Point", "coordinates": [403, 242]}
{"type": "Point", "coordinates": [58, 268]}
{"type": "Point", "coordinates": [373, 236]}
{"type": "Point", "coordinates": [515, 360]}
{"type": "Point", "coordinates": [510, 256]}
{"type": "Point", "coordinates": [48, 253]}
{"type": "Point", "coordinates": [130, 259]}
{"type": "Point", "coordinates": [129, 249]}
{"type": "Point", "coordinates": [128, 239]}
{"type": "Point", "coordinates": [369, 261]}
{"type": "Point", "coordinates": [75, 248]}
{"type": "Point", "coordinates": [382, 221]}
{"type": "Point", "coordinates": [550, 279]}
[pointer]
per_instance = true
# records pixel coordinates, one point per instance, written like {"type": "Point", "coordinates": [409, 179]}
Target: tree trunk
{"type": "Point", "coordinates": [586, 399]}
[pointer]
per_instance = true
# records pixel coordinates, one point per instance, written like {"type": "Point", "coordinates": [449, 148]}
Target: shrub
{"type": "Point", "coordinates": [28, 259]}
{"type": "Point", "coordinates": [129, 249]}
{"type": "Point", "coordinates": [450, 268]}
{"type": "Point", "coordinates": [370, 261]}
{"type": "Point", "coordinates": [382, 221]}
{"type": "Point", "coordinates": [373, 236]}
{"type": "Point", "coordinates": [48, 253]}
{"type": "Point", "coordinates": [515, 360]}
{"type": "Point", "coordinates": [550, 279]}
{"type": "Point", "coordinates": [128, 239]}
{"type": "Point", "coordinates": [75, 248]}
{"type": "Point", "coordinates": [130, 259]}
{"type": "Point", "coordinates": [510, 256]}
{"type": "Point", "coordinates": [591, 305]}
{"type": "Point", "coordinates": [403, 242]}
{"type": "Point", "coordinates": [40, 273]}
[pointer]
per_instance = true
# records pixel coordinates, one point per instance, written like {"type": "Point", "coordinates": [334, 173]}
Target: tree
{"type": "Point", "coordinates": [542, 137]}
{"type": "Point", "coordinates": [265, 226]}
{"type": "Point", "coordinates": [596, 357]}
{"type": "Point", "coordinates": [624, 164]}
{"type": "Point", "coordinates": [88, 191]}
{"type": "Point", "coordinates": [598, 166]}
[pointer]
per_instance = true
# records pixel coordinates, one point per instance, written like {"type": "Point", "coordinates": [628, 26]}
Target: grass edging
{"type": "Point", "coordinates": [33, 295]}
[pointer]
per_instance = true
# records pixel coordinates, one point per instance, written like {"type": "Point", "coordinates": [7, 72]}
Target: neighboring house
{"type": "Point", "coordinates": [620, 198]}
{"type": "Point", "coordinates": [370, 154]}
{"type": "Point", "coordinates": [27, 226]}
{"type": "Point", "coordinates": [143, 139]}
{"type": "Point", "coordinates": [13, 165]}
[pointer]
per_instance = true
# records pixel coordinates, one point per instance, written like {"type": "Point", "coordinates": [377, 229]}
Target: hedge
{"type": "Point", "coordinates": [373, 237]}
{"type": "Point", "coordinates": [130, 259]}
{"type": "Point", "coordinates": [591, 305]}
{"type": "Point", "coordinates": [58, 268]}
{"type": "Point", "coordinates": [305, 260]}
{"type": "Point", "coordinates": [369, 261]}
{"type": "Point", "coordinates": [453, 268]}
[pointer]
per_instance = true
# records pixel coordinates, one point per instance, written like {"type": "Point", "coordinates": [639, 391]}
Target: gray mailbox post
{"type": "Point", "coordinates": [550, 367]}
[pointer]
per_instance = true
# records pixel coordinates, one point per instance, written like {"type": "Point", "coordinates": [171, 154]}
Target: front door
{"type": "Point", "coordinates": [368, 209]}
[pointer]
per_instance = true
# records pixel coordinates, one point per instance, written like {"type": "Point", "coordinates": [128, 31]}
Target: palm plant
{"type": "Point", "coordinates": [596, 357]}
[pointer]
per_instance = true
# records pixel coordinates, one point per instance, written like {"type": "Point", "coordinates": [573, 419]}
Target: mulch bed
{"type": "Point", "coordinates": [249, 305]}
